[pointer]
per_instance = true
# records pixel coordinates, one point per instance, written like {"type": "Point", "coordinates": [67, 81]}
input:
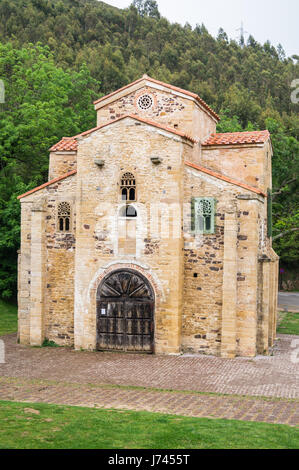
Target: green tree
{"type": "Point", "coordinates": [42, 103]}
{"type": "Point", "coordinates": [147, 8]}
{"type": "Point", "coordinates": [54, 53]}
{"type": "Point", "coordinates": [239, 101]}
{"type": "Point", "coordinates": [285, 166]}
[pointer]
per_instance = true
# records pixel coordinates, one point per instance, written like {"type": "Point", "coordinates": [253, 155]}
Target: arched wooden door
{"type": "Point", "coordinates": [125, 313]}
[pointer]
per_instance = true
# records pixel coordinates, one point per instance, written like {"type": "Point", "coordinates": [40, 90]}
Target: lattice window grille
{"type": "Point", "coordinates": [203, 214]}
{"type": "Point", "coordinates": [64, 216]}
{"type": "Point", "coordinates": [128, 187]}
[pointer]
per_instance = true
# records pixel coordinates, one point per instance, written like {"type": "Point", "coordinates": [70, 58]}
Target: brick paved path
{"type": "Point", "coordinates": [270, 410]}
{"type": "Point", "coordinates": [65, 376]}
{"type": "Point", "coordinates": [271, 376]}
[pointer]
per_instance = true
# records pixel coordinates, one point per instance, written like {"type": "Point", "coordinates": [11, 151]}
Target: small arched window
{"type": "Point", "coordinates": [128, 187]}
{"type": "Point", "coordinates": [64, 216]}
{"type": "Point", "coordinates": [128, 212]}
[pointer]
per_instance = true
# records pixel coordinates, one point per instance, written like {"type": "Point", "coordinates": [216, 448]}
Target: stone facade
{"type": "Point", "coordinates": [215, 293]}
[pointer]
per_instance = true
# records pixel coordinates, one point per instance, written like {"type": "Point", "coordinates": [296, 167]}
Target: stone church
{"type": "Point", "coordinates": [152, 234]}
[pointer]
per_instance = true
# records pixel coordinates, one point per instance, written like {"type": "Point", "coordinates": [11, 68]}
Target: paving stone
{"type": "Point", "coordinates": [261, 376]}
{"type": "Point", "coordinates": [63, 376]}
{"type": "Point", "coordinates": [178, 403]}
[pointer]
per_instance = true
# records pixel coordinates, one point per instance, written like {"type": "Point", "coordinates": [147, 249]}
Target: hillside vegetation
{"type": "Point", "coordinates": [56, 56]}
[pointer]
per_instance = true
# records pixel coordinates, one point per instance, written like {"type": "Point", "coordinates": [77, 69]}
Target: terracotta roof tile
{"type": "Point", "coordinates": [233, 138]}
{"type": "Point", "coordinates": [55, 180]}
{"type": "Point", "coordinates": [66, 143]}
{"type": "Point", "coordinates": [166, 85]}
{"type": "Point", "coordinates": [70, 143]}
{"type": "Point", "coordinates": [225, 178]}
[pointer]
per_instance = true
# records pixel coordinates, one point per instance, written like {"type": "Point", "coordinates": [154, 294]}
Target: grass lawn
{"type": "Point", "coordinates": [8, 318]}
{"type": "Point", "coordinates": [288, 323]}
{"type": "Point", "coordinates": [39, 425]}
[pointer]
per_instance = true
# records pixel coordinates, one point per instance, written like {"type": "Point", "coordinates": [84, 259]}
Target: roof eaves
{"type": "Point", "coordinates": [143, 120]}
{"type": "Point", "coordinates": [55, 180]}
{"type": "Point", "coordinates": [225, 178]}
{"type": "Point", "coordinates": [166, 85]}
{"type": "Point", "coordinates": [65, 144]}
{"type": "Point", "coordinates": [237, 138]}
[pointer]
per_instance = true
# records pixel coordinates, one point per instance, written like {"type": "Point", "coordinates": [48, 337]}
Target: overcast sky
{"type": "Point", "coordinates": [276, 20]}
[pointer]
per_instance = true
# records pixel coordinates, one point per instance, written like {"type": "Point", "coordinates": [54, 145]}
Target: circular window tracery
{"type": "Point", "coordinates": [64, 209]}
{"type": "Point", "coordinates": [145, 102]}
{"type": "Point", "coordinates": [205, 207]}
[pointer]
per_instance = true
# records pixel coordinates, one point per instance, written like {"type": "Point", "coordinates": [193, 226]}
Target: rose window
{"type": "Point", "coordinates": [145, 102]}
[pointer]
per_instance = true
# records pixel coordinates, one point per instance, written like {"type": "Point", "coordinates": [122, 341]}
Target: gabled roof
{"type": "Point", "coordinates": [236, 138]}
{"type": "Point", "coordinates": [55, 180]}
{"type": "Point", "coordinates": [70, 143]}
{"type": "Point", "coordinates": [225, 178]}
{"type": "Point", "coordinates": [192, 165]}
{"type": "Point", "coordinates": [166, 85]}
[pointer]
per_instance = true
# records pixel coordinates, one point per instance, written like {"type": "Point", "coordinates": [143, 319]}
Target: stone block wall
{"type": "Point", "coordinates": [46, 275]}
{"type": "Point", "coordinates": [24, 264]}
{"type": "Point", "coordinates": [225, 285]}
{"type": "Point", "coordinates": [158, 252]}
{"type": "Point", "coordinates": [61, 163]}
{"type": "Point", "coordinates": [169, 109]}
{"type": "Point", "coordinates": [204, 267]}
{"type": "Point", "coordinates": [245, 163]}
{"type": "Point", "coordinates": [214, 293]}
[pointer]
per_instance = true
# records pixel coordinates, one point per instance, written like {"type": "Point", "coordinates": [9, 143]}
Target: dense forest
{"type": "Point", "coordinates": [56, 56]}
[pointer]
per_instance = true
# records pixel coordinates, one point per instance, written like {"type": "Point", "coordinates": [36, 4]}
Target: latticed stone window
{"type": "Point", "coordinates": [145, 102]}
{"type": "Point", "coordinates": [128, 187]}
{"type": "Point", "coordinates": [203, 215]}
{"type": "Point", "coordinates": [64, 216]}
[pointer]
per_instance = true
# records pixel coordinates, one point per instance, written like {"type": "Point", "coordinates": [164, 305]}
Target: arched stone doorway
{"type": "Point", "coordinates": [125, 312]}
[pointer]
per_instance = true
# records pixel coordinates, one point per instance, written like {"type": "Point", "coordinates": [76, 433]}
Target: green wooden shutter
{"type": "Point", "coordinates": [269, 213]}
